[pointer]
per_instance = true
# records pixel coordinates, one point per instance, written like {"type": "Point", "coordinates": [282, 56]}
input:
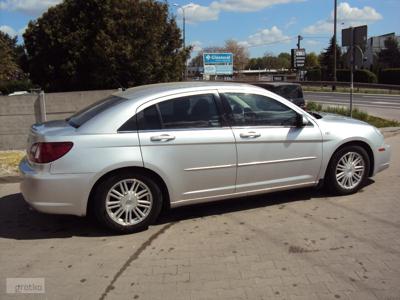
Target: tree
{"type": "Point", "coordinates": [9, 58]}
{"type": "Point", "coordinates": [311, 60]}
{"type": "Point", "coordinates": [326, 59]}
{"type": "Point", "coordinates": [240, 54]}
{"type": "Point", "coordinates": [97, 44]}
{"type": "Point", "coordinates": [390, 56]}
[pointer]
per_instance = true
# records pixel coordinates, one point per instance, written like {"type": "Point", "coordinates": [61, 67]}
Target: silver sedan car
{"type": "Point", "coordinates": [174, 144]}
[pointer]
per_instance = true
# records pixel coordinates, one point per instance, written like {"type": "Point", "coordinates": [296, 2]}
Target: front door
{"type": "Point", "coordinates": [272, 151]}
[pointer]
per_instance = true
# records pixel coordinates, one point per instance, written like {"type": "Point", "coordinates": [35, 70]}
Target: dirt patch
{"type": "Point", "coordinates": [9, 161]}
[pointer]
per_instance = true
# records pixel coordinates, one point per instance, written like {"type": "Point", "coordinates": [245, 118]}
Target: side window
{"type": "Point", "coordinates": [258, 110]}
{"type": "Point", "coordinates": [198, 111]}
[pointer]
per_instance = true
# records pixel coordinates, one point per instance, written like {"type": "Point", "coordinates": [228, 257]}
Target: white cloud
{"type": "Point", "coordinates": [265, 36]}
{"type": "Point", "coordinates": [32, 7]}
{"type": "Point", "coordinates": [9, 30]}
{"type": "Point", "coordinates": [291, 22]}
{"type": "Point", "coordinates": [350, 16]}
{"type": "Point", "coordinates": [196, 46]}
{"type": "Point", "coordinates": [195, 13]}
{"type": "Point", "coordinates": [248, 5]}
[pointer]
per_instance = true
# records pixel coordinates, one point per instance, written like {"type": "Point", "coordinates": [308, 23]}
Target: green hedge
{"type": "Point", "coordinates": [389, 76]}
{"type": "Point", "coordinates": [359, 76]}
{"type": "Point", "coordinates": [8, 87]}
{"type": "Point", "coordinates": [314, 74]}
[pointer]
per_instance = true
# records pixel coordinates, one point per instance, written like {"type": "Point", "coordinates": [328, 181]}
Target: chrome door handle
{"type": "Point", "coordinates": [162, 138]}
{"type": "Point", "coordinates": [250, 134]}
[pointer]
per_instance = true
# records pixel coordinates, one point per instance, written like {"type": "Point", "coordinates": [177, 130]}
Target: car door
{"type": "Point", "coordinates": [272, 151]}
{"type": "Point", "coordinates": [183, 138]}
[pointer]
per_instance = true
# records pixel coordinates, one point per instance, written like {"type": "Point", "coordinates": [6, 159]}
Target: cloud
{"type": "Point", "coordinates": [248, 5]}
{"type": "Point", "coordinates": [31, 7]}
{"type": "Point", "coordinates": [265, 36]}
{"type": "Point", "coordinates": [196, 13]}
{"type": "Point", "coordinates": [291, 22]}
{"type": "Point", "coordinates": [350, 16]}
{"type": "Point", "coordinates": [9, 30]}
{"type": "Point", "coordinates": [196, 46]}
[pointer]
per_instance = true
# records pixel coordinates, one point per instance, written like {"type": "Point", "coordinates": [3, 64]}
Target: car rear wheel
{"type": "Point", "coordinates": [348, 170]}
{"type": "Point", "coordinates": [127, 202]}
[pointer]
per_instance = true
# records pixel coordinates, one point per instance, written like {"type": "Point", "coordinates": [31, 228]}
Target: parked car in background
{"type": "Point", "coordinates": [175, 144]}
{"type": "Point", "coordinates": [290, 91]}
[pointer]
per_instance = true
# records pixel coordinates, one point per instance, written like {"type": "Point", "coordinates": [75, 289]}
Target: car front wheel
{"type": "Point", "coordinates": [128, 203]}
{"type": "Point", "coordinates": [348, 170]}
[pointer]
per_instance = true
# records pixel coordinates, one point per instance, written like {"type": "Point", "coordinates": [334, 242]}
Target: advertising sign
{"type": "Point", "coordinates": [218, 63]}
{"type": "Point", "coordinates": [298, 58]}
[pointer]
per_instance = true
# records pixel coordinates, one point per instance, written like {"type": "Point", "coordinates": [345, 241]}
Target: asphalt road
{"type": "Point", "coordinates": [386, 106]}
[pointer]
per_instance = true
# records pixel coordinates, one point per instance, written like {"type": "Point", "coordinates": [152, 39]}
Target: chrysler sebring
{"type": "Point", "coordinates": [174, 144]}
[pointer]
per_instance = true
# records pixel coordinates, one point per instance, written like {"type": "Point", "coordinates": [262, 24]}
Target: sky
{"type": "Point", "coordinates": [262, 26]}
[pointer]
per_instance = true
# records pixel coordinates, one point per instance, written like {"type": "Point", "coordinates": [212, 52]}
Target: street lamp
{"type": "Point", "coordinates": [183, 31]}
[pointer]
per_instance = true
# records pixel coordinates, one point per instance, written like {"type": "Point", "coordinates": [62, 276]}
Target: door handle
{"type": "Point", "coordinates": [250, 134]}
{"type": "Point", "coordinates": [162, 138]}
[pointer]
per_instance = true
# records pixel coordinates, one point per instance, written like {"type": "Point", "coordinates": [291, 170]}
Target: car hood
{"type": "Point", "coordinates": [329, 118]}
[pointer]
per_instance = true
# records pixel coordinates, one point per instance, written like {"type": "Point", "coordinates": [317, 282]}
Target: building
{"type": "Point", "coordinates": [374, 45]}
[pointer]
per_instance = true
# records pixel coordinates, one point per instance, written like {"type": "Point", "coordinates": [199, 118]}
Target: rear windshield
{"type": "Point", "coordinates": [288, 91]}
{"type": "Point", "coordinates": [84, 115]}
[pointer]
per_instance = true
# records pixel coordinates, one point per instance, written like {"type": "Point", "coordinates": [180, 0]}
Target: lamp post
{"type": "Point", "coordinates": [334, 45]}
{"type": "Point", "coordinates": [183, 32]}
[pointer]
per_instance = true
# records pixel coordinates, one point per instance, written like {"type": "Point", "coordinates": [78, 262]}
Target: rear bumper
{"type": "Point", "coordinates": [55, 193]}
{"type": "Point", "coordinates": [382, 158]}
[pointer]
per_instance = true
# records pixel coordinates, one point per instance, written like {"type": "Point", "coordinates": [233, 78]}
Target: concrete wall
{"type": "Point", "coordinates": [18, 113]}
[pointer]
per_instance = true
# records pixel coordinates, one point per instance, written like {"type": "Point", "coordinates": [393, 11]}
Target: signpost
{"type": "Point", "coordinates": [298, 58]}
{"type": "Point", "coordinates": [354, 38]}
{"type": "Point", "coordinates": [218, 63]}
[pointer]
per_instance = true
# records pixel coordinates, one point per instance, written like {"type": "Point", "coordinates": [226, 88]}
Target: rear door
{"type": "Point", "coordinates": [183, 138]}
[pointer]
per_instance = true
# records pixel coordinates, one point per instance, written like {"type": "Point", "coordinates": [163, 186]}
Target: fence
{"type": "Point", "coordinates": [18, 113]}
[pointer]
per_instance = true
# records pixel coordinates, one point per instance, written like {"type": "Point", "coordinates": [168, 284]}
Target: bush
{"type": "Point", "coordinates": [359, 76]}
{"type": "Point", "coordinates": [314, 74]}
{"type": "Point", "coordinates": [8, 87]}
{"type": "Point", "coordinates": [389, 76]}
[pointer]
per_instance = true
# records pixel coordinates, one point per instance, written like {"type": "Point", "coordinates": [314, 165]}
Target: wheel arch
{"type": "Point", "coordinates": [141, 170]}
{"type": "Point", "coordinates": [361, 144]}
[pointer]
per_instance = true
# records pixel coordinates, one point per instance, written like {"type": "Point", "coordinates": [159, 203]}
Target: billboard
{"type": "Point", "coordinates": [218, 63]}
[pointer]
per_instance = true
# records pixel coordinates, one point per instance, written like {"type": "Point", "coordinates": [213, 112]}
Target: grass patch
{"type": "Point", "coordinates": [341, 89]}
{"type": "Point", "coordinates": [9, 161]}
{"type": "Point", "coordinates": [357, 114]}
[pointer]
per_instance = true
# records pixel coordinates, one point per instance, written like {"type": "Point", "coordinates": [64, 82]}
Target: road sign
{"type": "Point", "coordinates": [298, 58]}
{"type": "Point", "coordinates": [360, 36]}
{"type": "Point", "coordinates": [218, 63]}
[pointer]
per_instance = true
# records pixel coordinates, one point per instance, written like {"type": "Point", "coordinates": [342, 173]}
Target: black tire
{"type": "Point", "coordinates": [101, 194]}
{"type": "Point", "coordinates": [331, 181]}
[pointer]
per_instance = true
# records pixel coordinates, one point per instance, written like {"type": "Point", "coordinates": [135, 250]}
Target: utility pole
{"type": "Point", "coordinates": [183, 33]}
{"type": "Point", "coordinates": [352, 67]}
{"type": "Point", "coordinates": [299, 38]}
{"type": "Point", "coordinates": [334, 45]}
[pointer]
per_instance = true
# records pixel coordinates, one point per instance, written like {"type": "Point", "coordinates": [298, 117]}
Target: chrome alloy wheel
{"type": "Point", "coordinates": [129, 202]}
{"type": "Point", "coordinates": [350, 170]}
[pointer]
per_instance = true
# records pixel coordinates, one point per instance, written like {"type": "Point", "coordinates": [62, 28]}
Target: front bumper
{"type": "Point", "coordinates": [382, 158]}
{"type": "Point", "coordinates": [55, 193]}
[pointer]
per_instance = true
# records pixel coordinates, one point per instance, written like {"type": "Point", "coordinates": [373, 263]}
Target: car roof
{"type": "Point", "coordinates": [161, 89]}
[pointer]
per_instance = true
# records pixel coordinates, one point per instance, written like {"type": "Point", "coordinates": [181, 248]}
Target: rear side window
{"type": "Point", "coordinates": [198, 111]}
{"type": "Point", "coordinates": [84, 115]}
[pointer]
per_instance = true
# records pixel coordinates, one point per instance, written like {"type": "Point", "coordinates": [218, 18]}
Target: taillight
{"type": "Point", "coordinates": [48, 151]}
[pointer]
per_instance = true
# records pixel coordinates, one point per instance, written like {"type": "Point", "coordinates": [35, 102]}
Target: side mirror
{"type": "Point", "coordinates": [301, 120]}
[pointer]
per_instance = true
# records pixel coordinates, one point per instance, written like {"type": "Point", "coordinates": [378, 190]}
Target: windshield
{"type": "Point", "coordinates": [84, 115]}
{"type": "Point", "coordinates": [289, 91]}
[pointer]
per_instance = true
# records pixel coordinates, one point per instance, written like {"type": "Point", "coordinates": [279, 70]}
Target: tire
{"type": "Point", "coordinates": [127, 203]}
{"type": "Point", "coordinates": [348, 170]}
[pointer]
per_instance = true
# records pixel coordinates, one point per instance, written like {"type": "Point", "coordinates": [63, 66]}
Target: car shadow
{"type": "Point", "coordinates": [18, 221]}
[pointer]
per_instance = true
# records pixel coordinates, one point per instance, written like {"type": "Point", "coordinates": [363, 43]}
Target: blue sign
{"type": "Point", "coordinates": [218, 63]}
{"type": "Point", "coordinates": [217, 58]}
